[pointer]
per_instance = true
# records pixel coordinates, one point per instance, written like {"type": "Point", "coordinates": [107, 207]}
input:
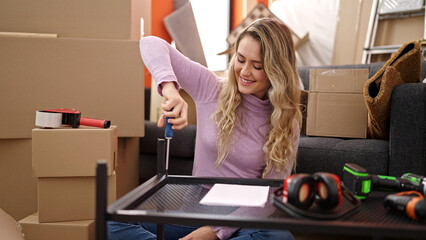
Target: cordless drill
{"type": "Point", "coordinates": [361, 183]}
{"type": "Point", "coordinates": [409, 203]}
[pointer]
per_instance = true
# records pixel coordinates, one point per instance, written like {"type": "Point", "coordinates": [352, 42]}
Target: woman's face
{"type": "Point", "coordinates": [248, 67]}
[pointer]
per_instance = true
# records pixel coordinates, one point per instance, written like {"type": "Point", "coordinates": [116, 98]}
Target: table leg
{"type": "Point", "coordinates": [160, 231]}
{"type": "Point", "coordinates": [101, 200]}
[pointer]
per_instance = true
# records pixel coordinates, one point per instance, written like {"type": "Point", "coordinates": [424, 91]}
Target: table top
{"type": "Point", "coordinates": [175, 200]}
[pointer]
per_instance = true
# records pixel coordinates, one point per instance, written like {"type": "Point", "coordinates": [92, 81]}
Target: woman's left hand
{"type": "Point", "coordinates": [202, 233]}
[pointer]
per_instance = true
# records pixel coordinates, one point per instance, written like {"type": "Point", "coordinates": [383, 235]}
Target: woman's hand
{"type": "Point", "coordinates": [202, 233]}
{"type": "Point", "coordinates": [172, 99]}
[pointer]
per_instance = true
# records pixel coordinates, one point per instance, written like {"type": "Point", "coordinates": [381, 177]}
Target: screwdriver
{"type": "Point", "coordinates": [168, 135]}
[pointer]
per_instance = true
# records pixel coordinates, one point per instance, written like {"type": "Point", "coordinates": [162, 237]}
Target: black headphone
{"type": "Point", "coordinates": [302, 190]}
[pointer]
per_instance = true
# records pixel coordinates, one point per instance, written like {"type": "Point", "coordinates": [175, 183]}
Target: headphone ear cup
{"type": "Point", "coordinates": [328, 190]}
{"type": "Point", "coordinates": [299, 190]}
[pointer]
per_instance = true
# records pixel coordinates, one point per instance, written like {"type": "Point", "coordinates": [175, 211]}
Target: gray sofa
{"type": "Point", "coordinates": [404, 152]}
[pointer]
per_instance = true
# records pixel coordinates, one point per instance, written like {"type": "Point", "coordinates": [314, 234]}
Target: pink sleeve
{"type": "Point", "coordinates": [224, 232]}
{"type": "Point", "coordinates": [166, 64]}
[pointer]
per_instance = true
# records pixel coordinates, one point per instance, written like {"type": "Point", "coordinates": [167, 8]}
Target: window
{"type": "Point", "coordinates": [212, 18]}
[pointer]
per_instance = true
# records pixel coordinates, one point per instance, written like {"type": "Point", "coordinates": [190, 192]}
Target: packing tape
{"type": "Point", "coordinates": [48, 119]}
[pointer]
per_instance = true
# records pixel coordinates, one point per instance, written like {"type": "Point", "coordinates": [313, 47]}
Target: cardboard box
{"type": "Point", "coordinates": [396, 32]}
{"type": "Point", "coordinates": [351, 31]}
{"type": "Point", "coordinates": [400, 31]}
{"type": "Point", "coordinates": [127, 169]}
{"type": "Point", "coordinates": [10, 228]}
{"type": "Point", "coordinates": [101, 78]}
{"type": "Point", "coordinates": [72, 230]}
{"type": "Point", "coordinates": [18, 188]}
{"type": "Point", "coordinates": [73, 152]}
{"type": "Point", "coordinates": [336, 106]}
{"type": "Point", "coordinates": [103, 19]}
{"type": "Point", "coordinates": [70, 198]}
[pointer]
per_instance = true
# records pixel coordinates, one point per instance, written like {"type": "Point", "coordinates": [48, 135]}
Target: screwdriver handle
{"type": "Point", "coordinates": [168, 134]}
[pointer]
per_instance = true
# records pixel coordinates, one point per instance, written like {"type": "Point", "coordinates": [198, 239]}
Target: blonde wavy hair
{"type": "Point", "coordinates": [279, 64]}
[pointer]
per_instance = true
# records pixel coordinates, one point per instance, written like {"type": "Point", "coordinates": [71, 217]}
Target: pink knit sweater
{"type": "Point", "coordinates": [246, 157]}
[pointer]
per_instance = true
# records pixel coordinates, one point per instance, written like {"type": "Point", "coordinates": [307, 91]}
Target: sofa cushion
{"type": "Point", "coordinates": [407, 142]}
{"type": "Point", "coordinates": [330, 154]}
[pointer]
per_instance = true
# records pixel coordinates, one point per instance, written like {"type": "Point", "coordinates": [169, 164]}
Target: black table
{"type": "Point", "coordinates": [173, 199]}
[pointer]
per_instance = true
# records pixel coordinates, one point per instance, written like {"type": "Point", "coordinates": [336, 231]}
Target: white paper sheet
{"type": "Point", "coordinates": [236, 195]}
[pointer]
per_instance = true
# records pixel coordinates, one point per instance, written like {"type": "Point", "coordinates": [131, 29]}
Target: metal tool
{"type": "Point", "coordinates": [168, 135]}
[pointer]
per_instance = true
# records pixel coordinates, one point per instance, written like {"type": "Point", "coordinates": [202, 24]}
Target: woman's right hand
{"type": "Point", "coordinates": [172, 99]}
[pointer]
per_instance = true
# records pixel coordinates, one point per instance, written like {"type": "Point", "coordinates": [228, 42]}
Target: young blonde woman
{"type": "Point", "coordinates": [247, 125]}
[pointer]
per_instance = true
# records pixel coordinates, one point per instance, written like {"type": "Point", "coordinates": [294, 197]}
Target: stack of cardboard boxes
{"type": "Point", "coordinates": [81, 54]}
{"type": "Point", "coordinates": [64, 162]}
